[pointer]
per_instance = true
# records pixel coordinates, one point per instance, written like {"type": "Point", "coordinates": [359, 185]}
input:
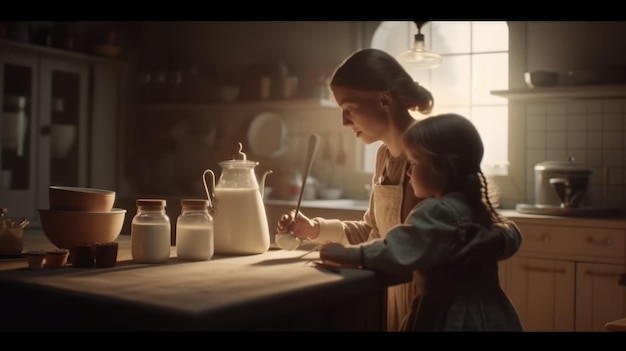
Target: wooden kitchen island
{"type": "Point", "coordinates": [274, 291]}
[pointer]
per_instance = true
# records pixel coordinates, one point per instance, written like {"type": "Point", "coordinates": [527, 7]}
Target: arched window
{"type": "Point", "coordinates": [475, 62]}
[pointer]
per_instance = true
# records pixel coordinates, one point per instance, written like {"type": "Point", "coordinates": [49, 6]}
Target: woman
{"type": "Point", "coordinates": [376, 94]}
{"type": "Point", "coordinates": [444, 153]}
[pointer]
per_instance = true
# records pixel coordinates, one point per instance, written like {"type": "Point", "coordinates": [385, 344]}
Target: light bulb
{"type": "Point", "coordinates": [419, 56]}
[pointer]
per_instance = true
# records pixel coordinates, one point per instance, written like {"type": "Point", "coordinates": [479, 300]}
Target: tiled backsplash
{"type": "Point", "coordinates": [593, 132]}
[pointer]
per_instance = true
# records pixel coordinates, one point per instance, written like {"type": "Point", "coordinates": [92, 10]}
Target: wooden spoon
{"type": "Point", "coordinates": [288, 241]}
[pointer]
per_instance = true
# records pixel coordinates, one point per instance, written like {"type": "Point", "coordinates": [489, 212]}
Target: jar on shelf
{"type": "Point", "coordinates": [194, 231]}
{"type": "Point", "coordinates": [151, 232]}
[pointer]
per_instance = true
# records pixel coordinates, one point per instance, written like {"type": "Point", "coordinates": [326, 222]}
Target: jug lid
{"type": "Point", "coordinates": [243, 162]}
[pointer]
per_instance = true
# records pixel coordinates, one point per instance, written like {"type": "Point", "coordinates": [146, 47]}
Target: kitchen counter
{"type": "Point", "coordinates": [601, 222]}
{"type": "Point", "coordinates": [276, 291]}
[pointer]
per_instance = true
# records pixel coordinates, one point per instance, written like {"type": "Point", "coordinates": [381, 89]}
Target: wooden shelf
{"type": "Point", "coordinates": [576, 92]}
{"type": "Point", "coordinates": [57, 52]}
{"type": "Point", "coordinates": [288, 103]}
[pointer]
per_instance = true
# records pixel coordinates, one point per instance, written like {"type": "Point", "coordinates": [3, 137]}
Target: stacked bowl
{"type": "Point", "coordinates": [80, 215]}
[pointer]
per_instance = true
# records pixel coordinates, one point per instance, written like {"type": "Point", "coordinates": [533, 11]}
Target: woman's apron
{"type": "Point", "coordinates": [388, 212]}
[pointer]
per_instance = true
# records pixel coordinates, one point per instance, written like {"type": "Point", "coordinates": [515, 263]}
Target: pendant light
{"type": "Point", "coordinates": [419, 56]}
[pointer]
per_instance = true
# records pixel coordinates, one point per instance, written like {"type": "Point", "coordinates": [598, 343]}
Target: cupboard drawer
{"type": "Point", "coordinates": [564, 240]}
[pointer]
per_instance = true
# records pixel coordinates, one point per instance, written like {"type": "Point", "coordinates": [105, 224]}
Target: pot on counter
{"type": "Point", "coordinates": [561, 183]}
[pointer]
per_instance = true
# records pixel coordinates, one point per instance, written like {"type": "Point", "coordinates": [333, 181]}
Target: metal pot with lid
{"type": "Point", "coordinates": [561, 183]}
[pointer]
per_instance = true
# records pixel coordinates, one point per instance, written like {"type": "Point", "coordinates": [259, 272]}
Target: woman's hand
{"type": "Point", "coordinates": [301, 226]}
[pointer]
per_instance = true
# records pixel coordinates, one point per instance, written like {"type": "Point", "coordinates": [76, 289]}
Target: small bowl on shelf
{"type": "Point", "coordinates": [537, 79]}
{"type": "Point", "coordinates": [107, 50]}
{"type": "Point", "coordinates": [227, 93]}
{"type": "Point", "coordinates": [330, 193]}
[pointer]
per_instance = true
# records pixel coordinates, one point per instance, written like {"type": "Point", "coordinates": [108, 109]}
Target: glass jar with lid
{"type": "Point", "coordinates": [194, 231]}
{"type": "Point", "coordinates": [150, 232]}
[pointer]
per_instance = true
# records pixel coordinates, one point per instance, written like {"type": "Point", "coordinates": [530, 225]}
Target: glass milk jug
{"type": "Point", "coordinates": [239, 221]}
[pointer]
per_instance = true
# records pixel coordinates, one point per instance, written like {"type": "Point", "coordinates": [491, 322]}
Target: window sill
{"type": "Point", "coordinates": [574, 92]}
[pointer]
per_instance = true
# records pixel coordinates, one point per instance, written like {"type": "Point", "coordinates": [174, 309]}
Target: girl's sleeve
{"type": "Point", "coordinates": [427, 238]}
{"type": "Point", "coordinates": [512, 238]}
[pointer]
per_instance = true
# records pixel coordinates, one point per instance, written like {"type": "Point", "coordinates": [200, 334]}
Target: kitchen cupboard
{"type": "Point", "coordinates": [566, 275]}
{"type": "Point", "coordinates": [598, 299]}
{"type": "Point", "coordinates": [58, 125]}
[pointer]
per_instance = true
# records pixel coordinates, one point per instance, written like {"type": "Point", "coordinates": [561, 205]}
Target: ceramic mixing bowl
{"type": "Point", "coordinates": [66, 229]}
{"type": "Point", "coordinates": [70, 198]}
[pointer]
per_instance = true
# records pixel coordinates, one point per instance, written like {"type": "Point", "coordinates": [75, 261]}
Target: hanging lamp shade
{"type": "Point", "coordinates": [419, 56]}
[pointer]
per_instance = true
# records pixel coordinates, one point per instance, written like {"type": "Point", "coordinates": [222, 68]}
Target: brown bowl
{"type": "Point", "coordinates": [536, 79]}
{"type": "Point", "coordinates": [66, 229]}
{"type": "Point", "coordinates": [107, 50]}
{"type": "Point", "coordinates": [70, 198]}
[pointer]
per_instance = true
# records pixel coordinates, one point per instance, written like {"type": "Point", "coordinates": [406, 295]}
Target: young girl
{"type": "Point", "coordinates": [444, 154]}
{"type": "Point", "coordinates": [375, 94]}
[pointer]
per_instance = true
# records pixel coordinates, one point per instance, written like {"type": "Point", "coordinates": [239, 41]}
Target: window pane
{"type": "Point", "coordinates": [394, 37]}
{"type": "Point", "coordinates": [463, 82]}
{"type": "Point", "coordinates": [489, 72]}
{"type": "Point", "coordinates": [461, 110]}
{"type": "Point", "coordinates": [369, 156]}
{"type": "Point", "coordinates": [422, 76]}
{"type": "Point", "coordinates": [451, 37]}
{"type": "Point", "coordinates": [451, 82]}
{"type": "Point", "coordinates": [492, 124]}
{"type": "Point", "coordinates": [490, 36]}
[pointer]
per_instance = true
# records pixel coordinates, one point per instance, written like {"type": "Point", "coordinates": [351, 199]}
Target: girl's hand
{"type": "Point", "coordinates": [335, 252]}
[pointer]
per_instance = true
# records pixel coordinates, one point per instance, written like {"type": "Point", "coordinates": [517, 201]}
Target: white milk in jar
{"type": "Point", "coordinates": [240, 223]}
{"type": "Point", "coordinates": [194, 231]}
{"type": "Point", "coordinates": [193, 243]}
{"type": "Point", "coordinates": [150, 242]}
{"type": "Point", "coordinates": [150, 234]}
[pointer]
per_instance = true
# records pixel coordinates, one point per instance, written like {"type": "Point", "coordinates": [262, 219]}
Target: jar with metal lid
{"type": "Point", "coordinates": [194, 231]}
{"type": "Point", "coordinates": [11, 233]}
{"type": "Point", "coordinates": [150, 232]}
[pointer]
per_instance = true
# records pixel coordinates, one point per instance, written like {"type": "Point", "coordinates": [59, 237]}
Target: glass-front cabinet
{"type": "Point", "coordinates": [62, 132]}
{"type": "Point", "coordinates": [45, 127]}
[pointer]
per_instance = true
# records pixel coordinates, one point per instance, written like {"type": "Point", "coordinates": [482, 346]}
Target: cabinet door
{"type": "Point", "coordinates": [18, 133]}
{"type": "Point", "coordinates": [599, 296]}
{"type": "Point", "coordinates": [104, 144]}
{"type": "Point", "coordinates": [63, 120]}
{"type": "Point", "coordinates": [542, 291]}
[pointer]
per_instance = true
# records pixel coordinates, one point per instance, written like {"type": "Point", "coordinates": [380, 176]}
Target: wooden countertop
{"type": "Point", "coordinates": [598, 222]}
{"type": "Point", "coordinates": [220, 294]}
